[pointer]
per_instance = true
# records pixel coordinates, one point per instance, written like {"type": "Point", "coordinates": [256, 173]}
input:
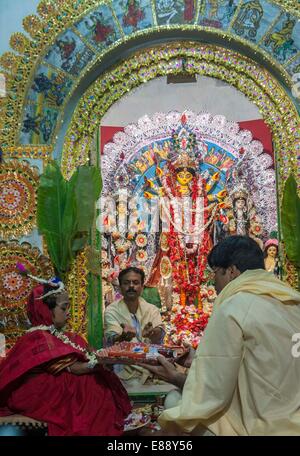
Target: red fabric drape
{"type": "Point", "coordinates": [107, 134]}
{"type": "Point", "coordinates": [38, 312]}
{"type": "Point", "coordinates": [260, 131]}
{"type": "Point", "coordinates": [91, 404]}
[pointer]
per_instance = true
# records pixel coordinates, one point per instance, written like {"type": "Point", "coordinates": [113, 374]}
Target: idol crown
{"type": "Point", "coordinates": [185, 161]}
{"type": "Point", "coordinates": [239, 192]}
{"type": "Point", "coordinates": [184, 143]}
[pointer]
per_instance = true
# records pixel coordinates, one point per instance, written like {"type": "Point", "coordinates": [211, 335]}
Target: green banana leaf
{"type": "Point", "coordinates": [51, 199]}
{"type": "Point", "coordinates": [151, 295]}
{"type": "Point", "coordinates": [87, 191]}
{"type": "Point", "coordinates": [66, 210]}
{"type": "Point", "coordinates": [69, 223]}
{"type": "Point", "coordinates": [290, 221]}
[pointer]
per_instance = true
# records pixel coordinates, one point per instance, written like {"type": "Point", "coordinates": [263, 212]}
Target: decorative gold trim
{"type": "Point", "coordinates": [144, 59]}
{"type": "Point", "coordinates": [19, 183]}
{"type": "Point", "coordinates": [197, 15]}
{"type": "Point", "coordinates": [236, 13]}
{"type": "Point", "coordinates": [154, 15]}
{"type": "Point", "coordinates": [110, 5]}
{"type": "Point", "coordinates": [84, 40]}
{"type": "Point", "coordinates": [291, 6]}
{"type": "Point", "coordinates": [291, 60]}
{"type": "Point", "coordinates": [34, 26]}
{"type": "Point", "coordinates": [54, 18]}
{"type": "Point", "coordinates": [58, 70]}
{"type": "Point", "coordinates": [39, 152]}
{"type": "Point", "coordinates": [77, 288]}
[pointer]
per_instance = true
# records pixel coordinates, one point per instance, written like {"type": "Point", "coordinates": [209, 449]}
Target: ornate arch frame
{"type": "Point", "coordinates": [268, 89]}
{"type": "Point", "coordinates": [55, 18]}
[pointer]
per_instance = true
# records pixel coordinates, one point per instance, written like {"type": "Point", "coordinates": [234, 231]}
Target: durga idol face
{"type": "Point", "coordinates": [184, 177]}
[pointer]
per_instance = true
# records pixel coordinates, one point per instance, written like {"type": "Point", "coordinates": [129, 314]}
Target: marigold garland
{"type": "Point", "coordinates": [188, 269]}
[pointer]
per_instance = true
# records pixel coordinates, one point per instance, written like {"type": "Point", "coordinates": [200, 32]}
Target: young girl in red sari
{"type": "Point", "coordinates": [50, 376]}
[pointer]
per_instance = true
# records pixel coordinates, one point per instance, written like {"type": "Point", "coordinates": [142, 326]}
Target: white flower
{"type": "Point", "coordinates": [61, 336]}
{"type": "Point", "coordinates": [141, 255]}
{"type": "Point", "coordinates": [141, 240]}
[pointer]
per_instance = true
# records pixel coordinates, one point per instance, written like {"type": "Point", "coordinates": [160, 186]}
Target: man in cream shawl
{"type": "Point", "coordinates": [244, 378]}
{"type": "Point", "coordinates": [132, 318]}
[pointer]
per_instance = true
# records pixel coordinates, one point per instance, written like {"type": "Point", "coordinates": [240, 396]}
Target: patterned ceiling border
{"type": "Point", "coordinates": [28, 121]}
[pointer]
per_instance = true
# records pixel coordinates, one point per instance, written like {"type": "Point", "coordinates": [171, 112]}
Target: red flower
{"type": "Point", "coordinates": [224, 219]}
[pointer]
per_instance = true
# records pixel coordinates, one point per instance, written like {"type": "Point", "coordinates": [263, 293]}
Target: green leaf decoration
{"type": "Point", "coordinates": [94, 260]}
{"type": "Point", "coordinates": [66, 210]}
{"type": "Point", "coordinates": [290, 221]}
{"type": "Point", "coordinates": [79, 243]}
{"type": "Point", "coordinates": [87, 191]}
{"type": "Point", "coordinates": [151, 295]}
{"type": "Point", "coordinates": [273, 235]}
{"type": "Point", "coordinates": [50, 208]}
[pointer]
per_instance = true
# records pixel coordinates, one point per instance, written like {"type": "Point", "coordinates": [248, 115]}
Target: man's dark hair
{"type": "Point", "coordinates": [240, 251]}
{"type": "Point", "coordinates": [131, 269]}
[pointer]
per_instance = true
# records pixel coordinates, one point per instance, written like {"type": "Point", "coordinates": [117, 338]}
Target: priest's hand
{"type": "Point", "coordinates": [128, 333]}
{"type": "Point", "coordinates": [167, 372]}
{"type": "Point", "coordinates": [186, 359]}
{"type": "Point", "coordinates": [153, 334]}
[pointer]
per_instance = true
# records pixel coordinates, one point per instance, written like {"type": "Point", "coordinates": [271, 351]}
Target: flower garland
{"type": "Point", "coordinates": [64, 338]}
{"type": "Point", "coordinates": [188, 262]}
{"type": "Point", "coordinates": [177, 225]}
{"type": "Point", "coordinates": [122, 245]}
{"type": "Point", "coordinates": [185, 325]}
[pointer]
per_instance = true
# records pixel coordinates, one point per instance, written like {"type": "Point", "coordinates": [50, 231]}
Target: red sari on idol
{"type": "Point", "coordinates": [34, 382]}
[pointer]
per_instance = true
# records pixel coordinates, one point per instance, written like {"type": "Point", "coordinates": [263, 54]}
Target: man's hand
{"type": "Point", "coordinates": [128, 333]}
{"type": "Point", "coordinates": [147, 330]}
{"type": "Point", "coordinates": [167, 372]}
{"type": "Point", "coordinates": [186, 359]}
{"type": "Point", "coordinates": [154, 334]}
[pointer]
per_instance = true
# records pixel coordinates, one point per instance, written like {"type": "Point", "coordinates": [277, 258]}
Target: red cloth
{"type": "Point", "coordinates": [90, 404]}
{"type": "Point", "coordinates": [260, 131]}
{"type": "Point", "coordinates": [107, 135]}
{"type": "Point", "coordinates": [38, 312]}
